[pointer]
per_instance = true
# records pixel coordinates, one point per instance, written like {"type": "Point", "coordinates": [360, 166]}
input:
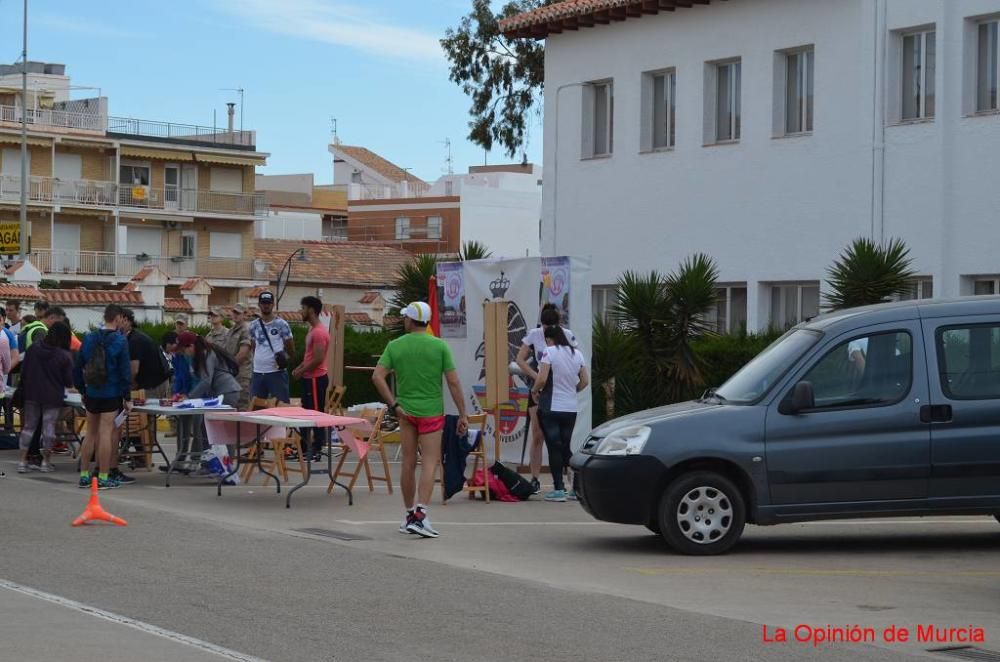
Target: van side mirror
{"type": "Point", "coordinates": [802, 399]}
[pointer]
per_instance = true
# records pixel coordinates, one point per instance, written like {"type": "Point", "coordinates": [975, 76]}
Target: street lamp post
{"type": "Point", "coordinates": [286, 271]}
{"type": "Point", "coordinates": [24, 138]}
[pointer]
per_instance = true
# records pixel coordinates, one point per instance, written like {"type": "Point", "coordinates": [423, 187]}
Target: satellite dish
{"type": "Point", "coordinates": [259, 267]}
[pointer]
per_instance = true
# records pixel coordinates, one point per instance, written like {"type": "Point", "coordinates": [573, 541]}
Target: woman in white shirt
{"type": "Point", "coordinates": [528, 359]}
{"type": "Point", "coordinates": [562, 374]}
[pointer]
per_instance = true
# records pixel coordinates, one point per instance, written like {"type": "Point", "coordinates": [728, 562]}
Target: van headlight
{"type": "Point", "coordinates": [625, 441]}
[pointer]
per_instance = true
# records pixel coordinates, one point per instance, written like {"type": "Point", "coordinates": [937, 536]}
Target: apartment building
{"type": "Point", "coordinates": [769, 134]}
{"type": "Point", "coordinates": [498, 205]}
{"type": "Point", "coordinates": [110, 196]}
{"type": "Point", "coordinates": [298, 209]}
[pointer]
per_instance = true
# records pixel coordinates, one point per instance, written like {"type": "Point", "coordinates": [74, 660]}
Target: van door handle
{"type": "Point", "coordinates": [935, 414]}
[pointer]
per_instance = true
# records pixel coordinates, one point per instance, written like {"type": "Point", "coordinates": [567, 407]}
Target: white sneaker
{"type": "Point", "coordinates": [404, 524]}
{"type": "Point", "coordinates": [22, 468]}
{"type": "Point", "coordinates": [46, 468]}
{"type": "Point", "coordinates": [421, 526]}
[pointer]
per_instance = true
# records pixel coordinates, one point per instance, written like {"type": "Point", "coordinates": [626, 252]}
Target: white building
{"type": "Point", "coordinates": [769, 134]}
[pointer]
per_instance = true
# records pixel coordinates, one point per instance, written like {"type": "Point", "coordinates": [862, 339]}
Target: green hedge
{"type": "Point", "coordinates": [360, 349]}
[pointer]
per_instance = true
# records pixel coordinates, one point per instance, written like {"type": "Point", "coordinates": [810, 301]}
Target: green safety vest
{"type": "Point", "coordinates": [29, 333]}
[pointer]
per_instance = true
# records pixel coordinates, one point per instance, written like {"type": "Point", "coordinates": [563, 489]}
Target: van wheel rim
{"type": "Point", "coordinates": [704, 515]}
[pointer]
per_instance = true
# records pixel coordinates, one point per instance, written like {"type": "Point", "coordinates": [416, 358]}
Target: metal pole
{"type": "Point", "coordinates": [24, 137]}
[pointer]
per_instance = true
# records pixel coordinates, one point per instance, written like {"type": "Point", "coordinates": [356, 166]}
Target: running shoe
{"type": "Point", "coordinates": [46, 468]}
{"type": "Point", "coordinates": [556, 495]}
{"type": "Point", "coordinates": [417, 526]}
{"type": "Point", "coordinates": [121, 478]}
{"type": "Point", "coordinates": [85, 481]}
{"type": "Point", "coordinates": [536, 487]}
{"type": "Point", "coordinates": [405, 523]}
{"type": "Point", "coordinates": [22, 468]}
{"type": "Point", "coordinates": [108, 483]}
{"type": "Point", "coordinates": [60, 448]}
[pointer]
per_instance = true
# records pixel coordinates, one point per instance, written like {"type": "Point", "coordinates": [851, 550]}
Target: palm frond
{"type": "Point", "coordinates": [867, 273]}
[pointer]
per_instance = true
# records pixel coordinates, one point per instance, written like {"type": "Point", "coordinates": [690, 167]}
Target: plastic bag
{"type": "Point", "coordinates": [216, 459]}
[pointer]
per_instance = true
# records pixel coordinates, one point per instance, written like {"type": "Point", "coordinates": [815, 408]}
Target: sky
{"type": "Point", "coordinates": [374, 65]}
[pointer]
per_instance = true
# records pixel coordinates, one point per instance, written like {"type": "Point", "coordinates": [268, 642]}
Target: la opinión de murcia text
{"type": "Point", "coordinates": [824, 635]}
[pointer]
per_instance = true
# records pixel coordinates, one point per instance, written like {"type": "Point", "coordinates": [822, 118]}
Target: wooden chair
{"type": "Point", "coordinates": [138, 427]}
{"type": "Point", "coordinates": [249, 460]}
{"type": "Point", "coordinates": [279, 445]}
{"type": "Point", "coordinates": [480, 459]}
{"type": "Point", "coordinates": [375, 446]}
{"type": "Point", "coordinates": [335, 400]}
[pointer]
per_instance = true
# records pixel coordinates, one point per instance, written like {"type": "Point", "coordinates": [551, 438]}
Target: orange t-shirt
{"type": "Point", "coordinates": [74, 343]}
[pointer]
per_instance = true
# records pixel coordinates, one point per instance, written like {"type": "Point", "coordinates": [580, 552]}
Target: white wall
{"type": "Point", "coordinates": [281, 224]}
{"type": "Point", "coordinates": [85, 317]}
{"type": "Point", "coordinates": [770, 209]}
{"type": "Point", "coordinates": [502, 217]}
{"type": "Point", "coordinates": [287, 183]}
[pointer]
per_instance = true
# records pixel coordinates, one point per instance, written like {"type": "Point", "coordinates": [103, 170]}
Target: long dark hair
{"type": "Point", "coordinates": [558, 336]}
{"type": "Point", "coordinates": [58, 336]}
{"type": "Point", "coordinates": [201, 349]}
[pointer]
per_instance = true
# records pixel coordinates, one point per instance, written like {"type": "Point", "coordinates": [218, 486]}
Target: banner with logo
{"type": "Point", "coordinates": [556, 284]}
{"type": "Point", "coordinates": [520, 283]}
{"type": "Point", "coordinates": [451, 299]}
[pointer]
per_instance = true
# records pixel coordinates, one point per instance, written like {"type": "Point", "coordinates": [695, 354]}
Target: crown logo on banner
{"type": "Point", "coordinates": [499, 287]}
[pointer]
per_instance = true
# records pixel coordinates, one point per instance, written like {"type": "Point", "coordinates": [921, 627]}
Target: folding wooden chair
{"type": "Point", "coordinates": [138, 429]}
{"type": "Point", "coordinates": [335, 400]}
{"type": "Point", "coordinates": [375, 446]}
{"type": "Point", "coordinates": [249, 460]}
{"type": "Point", "coordinates": [280, 446]}
{"type": "Point", "coordinates": [480, 459]}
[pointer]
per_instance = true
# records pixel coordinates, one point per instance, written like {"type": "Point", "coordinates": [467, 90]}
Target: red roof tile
{"type": "Point", "coordinates": [19, 293]}
{"type": "Point", "coordinates": [92, 297]}
{"type": "Point", "coordinates": [141, 275]}
{"type": "Point", "coordinates": [382, 166]}
{"type": "Point", "coordinates": [257, 291]}
{"type": "Point", "coordinates": [369, 297]}
{"type": "Point", "coordinates": [13, 267]}
{"type": "Point", "coordinates": [177, 306]}
{"type": "Point", "coordinates": [575, 14]}
{"type": "Point", "coordinates": [190, 284]}
{"type": "Point", "coordinates": [342, 263]}
{"type": "Point", "coordinates": [363, 319]}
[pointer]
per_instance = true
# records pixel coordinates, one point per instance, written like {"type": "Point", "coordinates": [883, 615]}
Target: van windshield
{"type": "Point", "coordinates": [756, 378]}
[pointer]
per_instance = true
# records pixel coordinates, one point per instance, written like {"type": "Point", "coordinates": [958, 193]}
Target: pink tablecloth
{"type": "Point", "coordinates": [224, 431]}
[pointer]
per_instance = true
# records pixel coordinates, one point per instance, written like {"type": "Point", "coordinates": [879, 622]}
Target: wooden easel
{"type": "Point", "coordinates": [335, 352]}
{"type": "Point", "coordinates": [497, 387]}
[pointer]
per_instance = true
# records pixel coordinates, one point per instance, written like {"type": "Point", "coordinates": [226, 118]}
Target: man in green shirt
{"type": "Point", "coordinates": [419, 361]}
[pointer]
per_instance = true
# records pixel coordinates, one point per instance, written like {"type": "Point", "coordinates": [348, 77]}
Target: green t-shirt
{"type": "Point", "coordinates": [419, 361]}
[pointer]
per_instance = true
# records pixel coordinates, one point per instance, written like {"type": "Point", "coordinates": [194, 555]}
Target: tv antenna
{"type": "Point", "coordinates": [448, 161]}
{"type": "Point", "coordinates": [241, 92]}
{"type": "Point", "coordinates": [333, 131]}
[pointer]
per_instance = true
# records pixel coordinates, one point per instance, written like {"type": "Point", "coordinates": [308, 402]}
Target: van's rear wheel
{"type": "Point", "coordinates": [702, 513]}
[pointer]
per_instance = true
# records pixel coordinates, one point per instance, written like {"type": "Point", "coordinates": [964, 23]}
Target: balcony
{"type": "Point", "coordinates": [109, 265]}
{"type": "Point", "coordinates": [53, 118]}
{"type": "Point", "coordinates": [188, 134]}
{"type": "Point", "coordinates": [88, 193]}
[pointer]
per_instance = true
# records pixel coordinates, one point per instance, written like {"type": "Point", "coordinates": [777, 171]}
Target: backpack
{"type": "Point", "coordinates": [516, 484]}
{"type": "Point", "coordinates": [226, 361]}
{"type": "Point", "coordinates": [95, 370]}
{"type": "Point", "coordinates": [166, 367]}
{"type": "Point", "coordinates": [498, 491]}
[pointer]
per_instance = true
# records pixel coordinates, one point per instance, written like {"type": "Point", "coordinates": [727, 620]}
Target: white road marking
{"type": "Point", "coordinates": [442, 523]}
{"type": "Point", "coordinates": [131, 622]}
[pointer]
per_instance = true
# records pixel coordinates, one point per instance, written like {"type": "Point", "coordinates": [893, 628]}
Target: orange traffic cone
{"type": "Point", "coordinates": [94, 512]}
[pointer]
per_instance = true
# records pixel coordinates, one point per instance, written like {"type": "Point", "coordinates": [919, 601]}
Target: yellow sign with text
{"type": "Point", "coordinates": [10, 238]}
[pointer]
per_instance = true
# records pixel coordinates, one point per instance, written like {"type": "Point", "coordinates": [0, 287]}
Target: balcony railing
{"type": "Point", "coordinates": [108, 264]}
{"type": "Point", "coordinates": [88, 193]}
{"type": "Point", "coordinates": [55, 118]}
{"type": "Point", "coordinates": [199, 135]}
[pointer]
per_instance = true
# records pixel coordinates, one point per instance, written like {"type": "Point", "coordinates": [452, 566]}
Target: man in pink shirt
{"type": "Point", "coordinates": [312, 375]}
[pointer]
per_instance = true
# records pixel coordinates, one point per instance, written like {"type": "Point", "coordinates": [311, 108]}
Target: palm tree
{"type": "Point", "coordinates": [662, 314]}
{"type": "Point", "coordinates": [474, 250]}
{"type": "Point", "coordinates": [612, 361]}
{"type": "Point", "coordinates": [869, 273]}
{"type": "Point", "coordinates": [411, 284]}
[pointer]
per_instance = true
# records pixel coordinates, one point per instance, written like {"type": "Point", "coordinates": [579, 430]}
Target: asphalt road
{"type": "Point", "coordinates": [196, 577]}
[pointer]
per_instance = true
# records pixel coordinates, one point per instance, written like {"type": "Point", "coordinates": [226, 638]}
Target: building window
{"type": "Point", "coordinates": [602, 300]}
{"type": "Point", "coordinates": [433, 227]}
{"type": "Point", "coordinates": [659, 90]}
{"type": "Point", "coordinates": [986, 285]}
{"type": "Point", "coordinates": [727, 101]}
{"type": "Point", "coordinates": [133, 175]}
{"type": "Point", "coordinates": [402, 228]}
{"type": "Point", "coordinates": [799, 87]}
{"type": "Point", "coordinates": [792, 303]}
{"type": "Point", "coordinates": [599, 119]}
{"type": "Point", "coordinates": [988, 64]}
{"type": "Point", "coordinates": [188, 245]}
{"type": "Point", "coordinates": [920, 288]}
{"type": "Point", "coordinates": [919, 65]}
{"type": "Point", "coordinates": [730, 312]}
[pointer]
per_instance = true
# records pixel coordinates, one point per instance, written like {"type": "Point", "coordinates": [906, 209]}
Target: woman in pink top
{"type": "Point", "coordinates": [311, 373]}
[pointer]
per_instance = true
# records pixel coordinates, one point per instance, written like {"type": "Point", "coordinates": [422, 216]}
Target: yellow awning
{"type": "Point", "coordinates": [160, 154]}
{"type": "Point", "coordinates": [87, 144]}
{"type": "Point", "coordinates": [222, 159]}
{"type": "Point", "coordinates": [13, 139]}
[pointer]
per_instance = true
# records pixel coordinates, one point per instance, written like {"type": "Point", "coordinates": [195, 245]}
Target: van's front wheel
{"type": "Point", "coordinates": [702, 513]}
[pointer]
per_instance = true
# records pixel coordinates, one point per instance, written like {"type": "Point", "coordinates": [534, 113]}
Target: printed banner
{"type": "Point", "coordinates": [451, 299]}
{"type": "Point", "coordinates": [516, 281]}
{"type": "Point", "coordinates": [556, 284]}
{"type": "Point", "coordinates": [10, 238]}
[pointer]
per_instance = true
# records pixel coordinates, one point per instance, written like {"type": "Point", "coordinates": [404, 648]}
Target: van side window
{"type": "Point", "coordinates": [864, 372]}
{"type": "Point", "coordinates": [969, 361]}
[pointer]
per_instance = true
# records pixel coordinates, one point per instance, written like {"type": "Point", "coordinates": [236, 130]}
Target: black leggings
{"type": "Point", "coordinates": [557, 426]}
